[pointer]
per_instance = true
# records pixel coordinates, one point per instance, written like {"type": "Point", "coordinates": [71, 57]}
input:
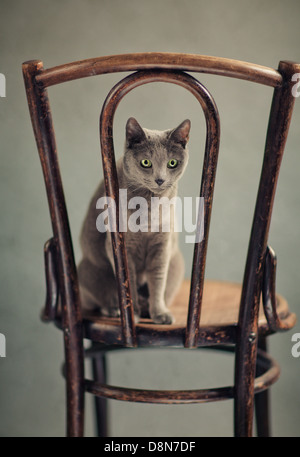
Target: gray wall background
{"type": "Point", "coordinates": [263, 32]}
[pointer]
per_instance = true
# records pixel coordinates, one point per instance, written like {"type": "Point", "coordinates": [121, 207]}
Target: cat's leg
{"type": "Point", "coordinates": [143, 294]}
{"type": "Point", "coordinates": [157, 272]}
{"type": "Point", "coordinates": [98, 288]}
{"type": "Point", "coordinates": [175, 277]}
{"type": "Point", "coordinates": [174, 280]}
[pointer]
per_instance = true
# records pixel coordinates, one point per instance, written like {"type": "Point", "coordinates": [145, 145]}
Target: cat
{"type": "Point", "coordinates": [151, 166]}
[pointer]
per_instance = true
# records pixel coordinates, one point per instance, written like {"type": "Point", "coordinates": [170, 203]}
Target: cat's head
{"type": "Point", "coordinates": [155, 160]}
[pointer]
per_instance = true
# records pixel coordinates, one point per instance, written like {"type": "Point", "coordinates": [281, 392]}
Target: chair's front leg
{"type": "Point", "coordinates": [262, 401]}
{"type": "Point", "coordinates": [245, 366]}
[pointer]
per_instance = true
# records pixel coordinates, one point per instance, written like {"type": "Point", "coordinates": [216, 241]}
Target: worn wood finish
{"type": "Point", "coordinates": [262, 401]}
{"type": "Point", "coordinates": [280, 117]}
{"type": "Point", "coordinates": [219, 319]}
{"type": "Point", "coordinates": [68, 287]}
{"type": "Point", "coordinates": [240, 333]}
{"type": "Point", "coordinates": [270, 300]}
{"type": "Point", "coordinates": [50, 309]}
{"type": "Point", "coordinates": [167, 397]}
{"type": "Point", "coordinates": [163, 61]}
{"type": "Point", "coordinates": [99, 373]}
{"type": "Point", "coordinates": [267, 373]}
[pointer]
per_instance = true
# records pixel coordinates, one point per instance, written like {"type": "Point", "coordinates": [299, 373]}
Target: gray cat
{"type": "Point", "coordinates": [151, 166]}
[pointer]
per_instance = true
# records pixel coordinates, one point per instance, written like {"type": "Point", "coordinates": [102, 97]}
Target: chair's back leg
{"type": "Point", "coordinates": [99, 373]}
{"type": "Point", "coordinates": [74, 391]}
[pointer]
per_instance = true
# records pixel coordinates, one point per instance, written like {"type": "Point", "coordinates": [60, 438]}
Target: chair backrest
{"type": "Point", "coordinates": [171, 68]}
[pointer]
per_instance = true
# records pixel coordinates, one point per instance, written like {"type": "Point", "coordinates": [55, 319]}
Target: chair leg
{"type": "Point", "coordinates": [262, 403]}
{"type": "Point", "coordinates": [243, 416]}
{"type": "Point", "coordinates": [75, 388]}
{"type": "Point", "coordinates": [99, 373]}
{"type": "Point", "coordinates": [245, 364]}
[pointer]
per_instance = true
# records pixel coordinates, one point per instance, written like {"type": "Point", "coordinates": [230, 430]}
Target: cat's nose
{"type": "Point", "coordinates": [159, 181]}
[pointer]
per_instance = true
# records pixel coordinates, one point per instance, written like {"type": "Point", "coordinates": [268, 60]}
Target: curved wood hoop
{"type": "Point", "coordinates": [163, 61]}
{"type": "Point", "coordinates": [269, 368]}
{"type": "Point", "coordinates": [207, 186]}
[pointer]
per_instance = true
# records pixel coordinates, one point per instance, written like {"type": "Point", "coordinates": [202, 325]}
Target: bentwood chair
{"type": "Point", "coordinates": [226, 315]}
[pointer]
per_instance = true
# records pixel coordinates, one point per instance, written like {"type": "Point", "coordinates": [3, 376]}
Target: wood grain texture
{"type": "Point", "coordinates": [220, 306]}
{"type": "Point", "coordinates": [159, 60]}
{"type": "Point", "coordinates": [268, 373]}
{"type": "Point", "coordinates": [219, 318]}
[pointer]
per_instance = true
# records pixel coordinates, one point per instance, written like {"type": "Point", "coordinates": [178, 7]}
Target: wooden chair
{"type": "Point", "coordinates": [233, 317]}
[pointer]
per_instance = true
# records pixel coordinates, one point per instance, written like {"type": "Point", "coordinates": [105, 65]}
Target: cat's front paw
{"type": "Point", "coordinates": [163, 318]}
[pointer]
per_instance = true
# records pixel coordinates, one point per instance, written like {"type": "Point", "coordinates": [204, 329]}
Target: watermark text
{"type": "Point", "coordinates": [2, 345]}
{"type": "Point", "coordinates": [2, 85]}
{"type": "Point", "coordinates": [296, 87]}
{"type": "Point", "coordinates": [161, 214]}
{"type": "Point", "coordinates": [296, 347]}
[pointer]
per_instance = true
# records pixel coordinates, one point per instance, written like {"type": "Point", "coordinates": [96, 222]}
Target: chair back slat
{"type": "Point", "coordinates": [207, 185]}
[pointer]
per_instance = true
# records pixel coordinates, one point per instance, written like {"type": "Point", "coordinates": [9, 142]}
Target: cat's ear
{"type": "Point", "coordinates": [134, 132]}
{"type": "Point", "coordinates": [181, 133]}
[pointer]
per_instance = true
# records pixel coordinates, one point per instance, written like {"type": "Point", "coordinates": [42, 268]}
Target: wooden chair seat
{"type": "Point", "coordinates": [220, 309]}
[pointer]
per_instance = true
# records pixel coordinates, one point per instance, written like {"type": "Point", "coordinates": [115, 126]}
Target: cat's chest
{"type": "Point", "coordinates": [141, 246]}
{"type": "Point", "coordinates": [145, 232]}
{"type": "Point", "coordinates": [148, 216]}
{"type": "Point", "coordinates": [141, 243]}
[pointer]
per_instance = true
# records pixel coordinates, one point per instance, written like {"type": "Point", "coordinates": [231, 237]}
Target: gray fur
{"type": "Point", "coordinates": [155, 263]}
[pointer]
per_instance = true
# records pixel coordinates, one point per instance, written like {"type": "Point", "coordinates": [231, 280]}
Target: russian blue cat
{"type": "Point", "coordinates": [152, 163]}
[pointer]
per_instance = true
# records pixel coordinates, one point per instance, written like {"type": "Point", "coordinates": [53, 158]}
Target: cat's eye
{"type": "Point", "coordinates": [172, 163]}
{"type": "Point", "coordinates": [146, 163]}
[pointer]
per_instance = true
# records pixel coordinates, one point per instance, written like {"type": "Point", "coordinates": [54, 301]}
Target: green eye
{"type": "Point", "coordinates": [146, 163]}
{"type": "Point", "coordinates": [172, 163]}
